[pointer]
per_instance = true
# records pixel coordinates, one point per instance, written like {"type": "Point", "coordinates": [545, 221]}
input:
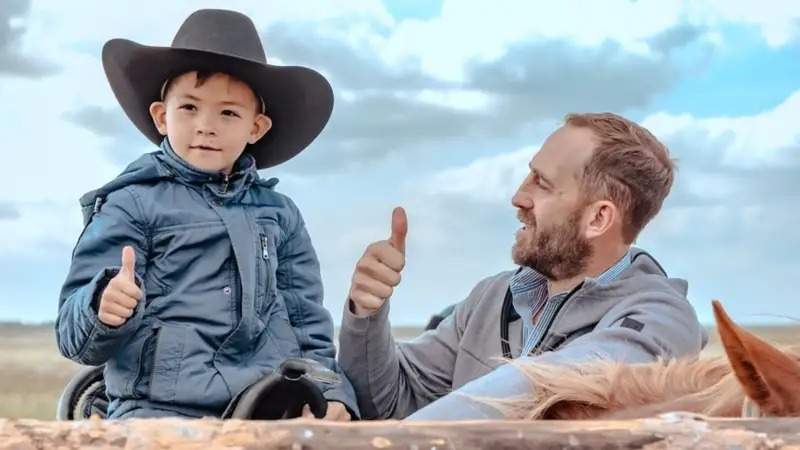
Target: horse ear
{"type": "Point", "coordinates": [768, 376]}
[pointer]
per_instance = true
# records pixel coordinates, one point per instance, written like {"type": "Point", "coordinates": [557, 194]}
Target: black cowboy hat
{"type": "Point", "coordinates": [298, 100]}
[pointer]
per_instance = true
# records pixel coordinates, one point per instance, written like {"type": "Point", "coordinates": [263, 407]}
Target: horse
{"type": "Point", "coordinates": [753, 379]}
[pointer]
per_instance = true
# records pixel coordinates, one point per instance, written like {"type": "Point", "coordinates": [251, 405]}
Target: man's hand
{"type": "Point", "coordinates": [378, 270]}
{"type": "Point", "coordinates": [336, 412]}
{"type": "Point", "coordinates": [121, 295]}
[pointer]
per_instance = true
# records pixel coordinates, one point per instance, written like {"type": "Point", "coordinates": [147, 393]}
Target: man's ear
{"type": "Point", "coordinates": [261, 125]}
{"type": "Point", "coordinates": [158, 112]}
{"type": "Point", "coordinates": [601, 216]}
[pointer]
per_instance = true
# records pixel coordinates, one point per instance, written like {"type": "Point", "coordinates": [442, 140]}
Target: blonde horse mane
{"type": "Point", "coordinates": [710, 386]}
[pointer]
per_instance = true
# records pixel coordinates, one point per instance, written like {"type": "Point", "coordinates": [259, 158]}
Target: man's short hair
{"type": "Point", "coordinates": [629, 167]}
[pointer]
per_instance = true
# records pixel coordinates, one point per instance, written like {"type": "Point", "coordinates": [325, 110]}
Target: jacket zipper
{"type": "Point", "coordinates": [225, 183]}
{"type": "Point", "coordinates": [264, 247]}
{"type": "Point", "coordinates": [262, 300]}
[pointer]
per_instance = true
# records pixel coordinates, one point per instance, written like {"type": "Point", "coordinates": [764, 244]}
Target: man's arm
{"type": "Point", "coordinates": [394, 380]}
{"type": "Point", "coordinates": [661, 327]}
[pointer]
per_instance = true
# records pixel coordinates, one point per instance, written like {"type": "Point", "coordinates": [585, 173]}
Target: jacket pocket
{"type": "Point", "coordinates": [145, 363]}
{"type": "Point", "coordinates": [123, 368]}
{"type": "Point", "coordinates": [283, 334]}
{"type": "Point", "coordinates": [167, 359]}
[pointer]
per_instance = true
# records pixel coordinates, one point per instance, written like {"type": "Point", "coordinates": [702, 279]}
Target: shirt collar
{"type": "Point", "coordinates": [528, 286]}
{"type": "Point", "coordinates": [528, 278]}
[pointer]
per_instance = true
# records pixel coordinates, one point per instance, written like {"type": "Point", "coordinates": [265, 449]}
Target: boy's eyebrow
{"type": "Point", "coordinates": [190, 97]}
{"type": "Point", "coordinates": [197, 99]}
{"type": "Point", "coordinates": [231, 102]}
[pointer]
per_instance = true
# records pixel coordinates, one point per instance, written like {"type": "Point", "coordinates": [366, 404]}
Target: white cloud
{"type": "Point", "coordinates": [777, 20]}
{"type": "Point", "coordinates": [465, 30]}
{"type": "Point", "coordinates": [456, 99]}
{"type": "Point", "coordinates": [770, 138]}
{"type": "Point", "coordinates": [469, 30]}
{"type": "Point", "coordinates": [155, 22]}
{"type": "Point", "coordinates": [46, 158]}
{"type": "Point", "coordinates": [39, 227]}
{"type": "Point", "coordinates": [489, 180]}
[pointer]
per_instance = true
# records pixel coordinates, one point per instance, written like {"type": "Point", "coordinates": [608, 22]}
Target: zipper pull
{"type": "Point", "coordinates": [264, 247]}
{"type": "Point", "coordinates": [225, 183]}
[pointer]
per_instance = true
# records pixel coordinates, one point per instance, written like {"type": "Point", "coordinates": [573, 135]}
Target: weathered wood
{"type": "Point", "coordinates": [666, 432]}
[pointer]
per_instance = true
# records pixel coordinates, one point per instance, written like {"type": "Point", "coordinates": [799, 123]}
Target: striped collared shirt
{"type": "Point", "coordinates": [530, 297]}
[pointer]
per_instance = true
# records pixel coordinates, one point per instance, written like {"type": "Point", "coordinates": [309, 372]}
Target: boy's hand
{"type": "Point", "coordinates": [336, 412]}
{"type": "Point", "coordinates": [378, 271]}
{"type": "Point", "coordinates": [121, 294]}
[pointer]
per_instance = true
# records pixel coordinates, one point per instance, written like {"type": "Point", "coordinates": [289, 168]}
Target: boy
{"type": "Point", "coordinates": [193, 278]}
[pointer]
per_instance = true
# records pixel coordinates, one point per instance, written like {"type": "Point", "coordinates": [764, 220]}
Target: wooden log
{"type": "Point", "coordinates": [665, 432]}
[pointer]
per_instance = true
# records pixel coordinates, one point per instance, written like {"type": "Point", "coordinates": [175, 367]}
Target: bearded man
{"type": "Point", "coordinates": [581, 291]}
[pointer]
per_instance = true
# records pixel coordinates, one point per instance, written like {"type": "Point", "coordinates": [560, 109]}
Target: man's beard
{"type": "Point", "coordinates": [558, 253]}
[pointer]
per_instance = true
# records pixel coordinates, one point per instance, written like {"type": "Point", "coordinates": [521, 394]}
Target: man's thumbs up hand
{"type": "Point", "coordinates": [399, 230]}
{"type": "Point", "coordinates": [378, 271]}
{"type": "Point", "coordinates": [121, 295]}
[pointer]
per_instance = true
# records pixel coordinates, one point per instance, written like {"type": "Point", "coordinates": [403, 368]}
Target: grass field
{"type": "Point", "coordinates": [32, 372]}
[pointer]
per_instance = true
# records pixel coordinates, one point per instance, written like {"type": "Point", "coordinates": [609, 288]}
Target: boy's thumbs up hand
{"type": "Point", "coordinates": [121, 294]}
{"type": "Point", "coordinates": [378, 270]}
{"type": "Point", "coordinates": [128, 263]}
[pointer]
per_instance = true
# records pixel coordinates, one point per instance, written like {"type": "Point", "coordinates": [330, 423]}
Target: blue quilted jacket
{"type": "Point", "coordinates": [231, 281]}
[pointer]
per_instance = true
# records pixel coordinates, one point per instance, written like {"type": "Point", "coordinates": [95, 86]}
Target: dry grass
{"type": "Point", "coordinates": [778, 335]}
{"type": "Point", "coordinates": [33, 373]}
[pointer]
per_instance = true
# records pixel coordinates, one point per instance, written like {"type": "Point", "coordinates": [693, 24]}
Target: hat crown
{"type": "Point", "coordinates": [220, 31]}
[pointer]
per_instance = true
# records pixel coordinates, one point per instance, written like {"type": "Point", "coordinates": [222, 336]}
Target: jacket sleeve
{"type": "Point", "coordinates": [96, 258]}
{"type": "Point", "coordinates": [394, 380]}
{"type": "Point", "coordinates": [660, 327]}
{"type": "Point", "coordinates": [300, 285]}
{"type": "Point", "coordinates": [651, 326]}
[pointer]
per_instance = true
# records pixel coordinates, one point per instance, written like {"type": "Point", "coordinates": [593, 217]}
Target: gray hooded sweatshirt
{"type": "Point", "coordinates": [640, 316]}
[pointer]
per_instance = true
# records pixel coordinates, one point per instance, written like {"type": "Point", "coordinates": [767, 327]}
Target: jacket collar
{"type": "Point", "coordinates": [243, 174]}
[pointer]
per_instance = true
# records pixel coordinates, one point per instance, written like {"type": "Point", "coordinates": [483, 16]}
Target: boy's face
{"type": "Point", "coordinates": [210, 125]}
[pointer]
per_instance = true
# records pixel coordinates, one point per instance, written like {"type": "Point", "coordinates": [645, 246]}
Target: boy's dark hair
{"type": "Point", "coordinates": [202, 77]}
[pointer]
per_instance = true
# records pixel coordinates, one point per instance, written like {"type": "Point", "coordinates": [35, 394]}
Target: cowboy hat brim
{"type": "Point", "coordinates": [298, 100]}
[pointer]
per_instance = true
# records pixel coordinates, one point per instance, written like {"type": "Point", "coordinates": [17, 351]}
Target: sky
{"type": "Point", "coordinates": [439, 107]}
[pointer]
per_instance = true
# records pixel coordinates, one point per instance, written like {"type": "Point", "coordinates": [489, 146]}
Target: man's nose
{"type": "Point", "coordinates": [522, 200]}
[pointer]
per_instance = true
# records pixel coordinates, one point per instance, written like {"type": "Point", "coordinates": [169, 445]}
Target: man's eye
{"type": "Point", "coordinates": [188, 107]}
{"type": "Point", "coordinates": [229, 113]}
{"type": "Point", "coordinates": [537, 180]}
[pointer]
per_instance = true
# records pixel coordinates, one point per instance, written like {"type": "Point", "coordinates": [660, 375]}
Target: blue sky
{"type": "Point", "coordinates": [750, 76]}
{"type": "Point", "coordinates": [439, 107]}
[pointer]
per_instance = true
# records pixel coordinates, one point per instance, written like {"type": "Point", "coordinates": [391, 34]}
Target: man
{"type": "Point", "coordinates": [581, 292]}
